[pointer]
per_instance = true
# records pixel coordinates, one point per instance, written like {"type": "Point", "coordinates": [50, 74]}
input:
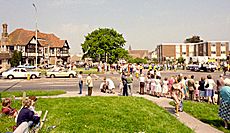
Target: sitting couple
{"type": "Point", "coordinates": [27, 113]}
{"type": "Point", "coordinates": [107, 86]}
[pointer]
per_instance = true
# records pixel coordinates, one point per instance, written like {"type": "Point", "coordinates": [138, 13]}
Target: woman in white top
{"type": "Point", "coordinates": [158, 88]}
{"type": "Point", "coordinates": [89, 83]}
{"type": "Point", "coordinates": [209, 86]}
{"type": "Point", "coordinates": [165, 87]}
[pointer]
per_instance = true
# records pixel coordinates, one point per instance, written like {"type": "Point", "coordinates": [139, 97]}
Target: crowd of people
{"type": "Point", "coordinates": [26, 114]}
{"type": "Point", "coordinates": [179, 88]}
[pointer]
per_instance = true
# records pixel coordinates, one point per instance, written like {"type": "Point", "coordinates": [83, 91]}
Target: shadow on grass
{"type": "Point", "coordinates": [219, 124]}
{"type": "Point", "coordinates": [170, 110]}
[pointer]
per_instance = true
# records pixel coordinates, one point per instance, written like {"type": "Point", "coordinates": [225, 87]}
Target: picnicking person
{"type": "Point", "coordinates": [7, 109]}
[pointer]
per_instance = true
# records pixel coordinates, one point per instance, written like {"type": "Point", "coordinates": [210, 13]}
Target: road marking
{"type": "Point", "coordinates": [9, 86]}
{"type": "Point", "coordinates": [63, 85]}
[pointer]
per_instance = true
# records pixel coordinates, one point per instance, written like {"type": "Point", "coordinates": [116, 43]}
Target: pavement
{"type": "Point", "coordinates": [186, 119]}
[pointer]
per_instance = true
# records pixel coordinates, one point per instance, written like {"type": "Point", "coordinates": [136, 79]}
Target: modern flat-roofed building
{"type": "Point", "coordinates": [198, 52]}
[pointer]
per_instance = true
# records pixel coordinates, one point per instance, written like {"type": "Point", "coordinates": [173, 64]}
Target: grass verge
{"type": "Point", "coordinates": [104, 114]}
{"type": "Point", "coordinates": [91, 70]}
{"type": "Point", "coordinates": [32, 93]}
{"type": "Point", "coordinates": [207, 113]}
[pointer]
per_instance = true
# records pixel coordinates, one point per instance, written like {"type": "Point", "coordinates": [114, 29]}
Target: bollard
{"type": "Point", "coordinates": [28, 76]}
{"type": "Point", "coordinates": [23, 97]}
{"type": "Point", "coordinates": [0, 97]}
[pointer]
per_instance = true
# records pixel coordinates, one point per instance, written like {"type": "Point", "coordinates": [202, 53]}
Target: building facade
{"type": "Point", "coordinates": [197, 52]}
{"type": "Point", "coordinates": [50, 48]}
{"type": "Point", "coordinates": [4, 54]}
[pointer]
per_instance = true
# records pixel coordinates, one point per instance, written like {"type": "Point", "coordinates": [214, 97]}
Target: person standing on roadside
{"type": "Point", "coordinates": [80, 80]}
{"type": "Point", "coordinates": [89, 83]}
{"type": "Point", "coordinates": [142, 84]}
{"type": "Point", "coordinates": [191, 87]}
{"type": "Point", "coordinates": [224, 109]}
{"type": "Point", "coordinates": [125, 84]}
{"type": "Point", "coordinates": [130, 83]}
{"type": "Point", "coordinates": [219, 83]}
{"type": "Point", "coordinates": [209, 86]}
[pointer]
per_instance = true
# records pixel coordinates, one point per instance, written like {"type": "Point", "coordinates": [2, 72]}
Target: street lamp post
{"type": "Point", "coordinates": [36, 36]}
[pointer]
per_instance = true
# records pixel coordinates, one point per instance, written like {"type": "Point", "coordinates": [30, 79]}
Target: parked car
{"type": "Point", "coordinates": [208, 68]}
{"type": "Point", "coordinates": [61, 73]}
{"type": "Point", "coordinates": [27, 66]}
{"type": "Point", "coordinates": [195, 68]}
{"type": "Point", "coordinates": [20, 73]}
{"type": "Point", "coordinates": [192, 67]}
{"type": "Point", "coordinates": [46, 66]}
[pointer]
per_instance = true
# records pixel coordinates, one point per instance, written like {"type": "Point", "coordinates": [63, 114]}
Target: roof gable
{"type": "Point", "coordinates": [23, 37]}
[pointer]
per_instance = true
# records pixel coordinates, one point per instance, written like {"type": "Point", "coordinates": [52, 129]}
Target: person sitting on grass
{"type": "Point", "coordinates": [26, 115]}
{"type": "Point", "coordinates": [32, 107]}
{"type": "Point", "coordinates": [7, 109]}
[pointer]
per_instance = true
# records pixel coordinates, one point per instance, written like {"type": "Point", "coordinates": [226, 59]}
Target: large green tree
{"type": "Point", "coordinates": [16, 58]}
{"type": "Point", "coordinates": [104, 44]}
{"type": "Point", "coordinates": [193, 39]}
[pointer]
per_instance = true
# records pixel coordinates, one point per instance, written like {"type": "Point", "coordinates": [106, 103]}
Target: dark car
{"type": "Point", "coordinates": [192, 67]}
{"type": "Point", "coordinates": [207, 68]}
{"type": "Point", "coordinates": [195, 68]}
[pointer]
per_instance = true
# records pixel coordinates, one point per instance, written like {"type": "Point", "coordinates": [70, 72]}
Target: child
{"type": "Point", "coordinates": [6, 108]}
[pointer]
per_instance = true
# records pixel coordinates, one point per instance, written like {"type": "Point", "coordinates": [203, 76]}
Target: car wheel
{"type": "Point", "coordinates": [52, 76]}
{"type": "Point", "coordinates": [71, 76]}
{"type": "Point", "coordinates": [33, 76]}
{"type": "Point", "coordinates": [10, 77]}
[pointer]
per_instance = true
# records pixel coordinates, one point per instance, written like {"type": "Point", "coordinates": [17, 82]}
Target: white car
{"type": "Point", "coordinates": [61, 73]}
{"type": "Point", "coordinates": [20, 73]}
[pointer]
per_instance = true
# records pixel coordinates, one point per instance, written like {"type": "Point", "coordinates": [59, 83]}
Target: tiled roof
{"type": "Point", "coordinates": [138, 53]}
{"type": "Point", "coordinates": [22, 37]}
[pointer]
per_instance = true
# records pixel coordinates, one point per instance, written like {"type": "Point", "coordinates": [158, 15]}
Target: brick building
{"type": "Point", "coordinates": [199, 52]}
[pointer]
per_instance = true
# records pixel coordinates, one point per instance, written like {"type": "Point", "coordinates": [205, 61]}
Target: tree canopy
{"type": "Point", "coordinates": [193, 39]}
{"type": "Point", "coordinates": [16, 58]}
{"type": "Point", "coordinates": [104, 44]}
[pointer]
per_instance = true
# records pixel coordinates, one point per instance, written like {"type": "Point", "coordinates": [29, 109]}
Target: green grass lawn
{"type": "Point", "coordinates": [207, 113]}
{"type": "Point", "coordinates": [104, 114]}
{"type": "Point", "coordinates": [91, 70]}
{"type": "Point", "coordinates": [31, 93]}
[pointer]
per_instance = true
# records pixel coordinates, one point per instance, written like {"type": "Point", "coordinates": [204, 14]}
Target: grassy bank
{"type": "Point", "coordinates": [32, 93]}
{"type": "Point", "coordinates": [207, 113]}
{"type": "Point", "coordinates": [105, 114]}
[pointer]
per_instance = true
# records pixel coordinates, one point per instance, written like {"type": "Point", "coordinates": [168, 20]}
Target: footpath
{"type": "Point", "coordinates": [188, 120]}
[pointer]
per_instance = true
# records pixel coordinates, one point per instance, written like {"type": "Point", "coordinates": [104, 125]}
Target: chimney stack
{"type": "Point", "coordinates": [4, 32]}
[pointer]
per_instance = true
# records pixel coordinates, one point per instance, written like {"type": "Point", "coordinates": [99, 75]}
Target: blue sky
{"type": "Point", "coordinates": [143, 23]}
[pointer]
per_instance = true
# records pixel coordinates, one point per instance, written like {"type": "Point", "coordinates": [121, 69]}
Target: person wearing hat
{"type": "Point", "coordinates": [224, 108]}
